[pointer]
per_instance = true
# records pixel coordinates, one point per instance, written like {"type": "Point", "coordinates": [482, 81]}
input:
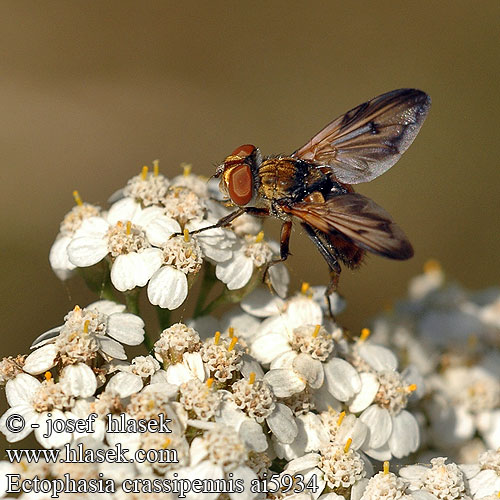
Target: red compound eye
{"type": "Point", "coordinates": [240, 184]}
{"type": "Point", "coordinates": [244, 151]}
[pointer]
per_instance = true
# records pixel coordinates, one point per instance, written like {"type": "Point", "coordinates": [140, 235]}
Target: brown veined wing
{"type": "Point", "coordinates": [359, 219]}
{"type": "Point", "coordinates": [368, 140]}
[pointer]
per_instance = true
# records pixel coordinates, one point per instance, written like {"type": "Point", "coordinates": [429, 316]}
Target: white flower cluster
{"type": "Point", "coordinates": [452, 337]}
{"type": "Point", "coordinates": [145, 240]}
{"type": "Point", "coordinates": [273, 392]}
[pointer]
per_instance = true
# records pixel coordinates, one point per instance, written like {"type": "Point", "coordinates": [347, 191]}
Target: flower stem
{"type": "Point", "coordinates": [221, 299]}
{"type": "Point", "coordinates": [207, 284]}
{"type": "Point", "coordinates": [163, 317]}
{"type": "Point", "coordinates": [132, 301]}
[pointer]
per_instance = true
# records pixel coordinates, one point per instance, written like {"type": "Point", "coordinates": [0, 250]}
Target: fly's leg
{"type": "Point", "coordinates": [328, 252]}
{"type": "Point", "coordinates": [224, 222]}
{"type": "Point", "coordinates": [286, 231]}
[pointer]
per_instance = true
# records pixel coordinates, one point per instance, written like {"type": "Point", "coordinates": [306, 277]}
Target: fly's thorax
{"type": "Point", "coordinates": [278, 178]}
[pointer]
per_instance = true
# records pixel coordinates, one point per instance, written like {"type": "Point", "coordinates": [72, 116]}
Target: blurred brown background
{"type": "Point", "coordinates": [91, 91]}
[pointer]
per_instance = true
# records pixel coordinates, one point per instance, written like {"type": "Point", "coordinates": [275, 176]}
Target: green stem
{"type": "Point", "coordinates": [132, 301]}
{"type": "Point", "coordinates": [163, 317]}
{"type": "Point", "coordinates": [207, 284]}
{"type": "Point", "coordinates": [107, 292]}
{"type": "Point", "coordinates": [221, 299]}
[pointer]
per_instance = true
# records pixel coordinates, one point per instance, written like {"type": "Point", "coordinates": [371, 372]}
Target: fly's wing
{"type": "Point", "coordinates": [368, 140]}
{"type": "Point", "coordinates": [360, 220]}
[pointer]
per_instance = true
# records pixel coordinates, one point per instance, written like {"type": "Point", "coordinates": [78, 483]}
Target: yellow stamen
{"type": "Point", "coordinates": [341, 417]}
{"type": "Point", "coordinates": [77, 308]}
{"type": "Point", "coordinates": [231, 331]}
{"type": "Point", "coordinates": [259, 237]}
{"type": "Point", "coordinates": [304, 288]}
{"type": "Point", "coordinates": [331, 410]}
{"type": "Point", "coordinates": [347, 445]}
{"type": "Point", "coordinates": [166, 443]}
{"type": "Point", "coordinates": [186, 235]}
{"type": "Point", "coordinates": [129, 227]}
{"type": "Point", "coordinates": [432, 265]}
{"type": "Point", "coordinates": [251, 378]}
{"type": "Point", "coordinates": [316, 331]}
{"type": "Point", "coordinates": [365, 333]}
{"type": "Point", "coordinates": [144, 172]}
{"type": "Point", "coordinates": [151, 404]}
{"type": "Point", "coordinates": [24, 466]}
{"type": "Point", "coordinates": [217, 338]}
{"type": "Point", "coordinates": [232, 344]}
{"type": "Point", "coordinates": [210, 382]}
{"type": "Point", "coordinates": [76, 197]}
{"type": "Point", "coordinates": [186, 169]}
{"type": "Point", "coordinates": [386, 468]}
{"type": "Point", "coordinates": [47, 376]}
{"type": "Point", "coordinates": [412, 388]}
{"type": "Point", "coordinates": [86, 326]}
{"type": "Point", "coordinates": [156, 168]}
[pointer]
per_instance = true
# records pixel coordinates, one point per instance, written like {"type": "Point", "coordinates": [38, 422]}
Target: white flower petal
{"type": "Point", "coordinates": [269, 346]}
{"type": "Point", "coordinates": [194, 362]}
{"type": "Point", "coordinates": [107, 307]}
{"type": "Point", "coordinates": [124, 384]}
{"type": "Point", "coordinates": [135, 269]}
{"type": "Point", "coordinates": [95, 227]}
{"type": "Point", "coordinates": [79, 380]}
{"type": "Point", "coordinates": [378, 357]}
{"type": "Point", "coordinates": [56, 439]}
{"type": "Point", "coordinates": [112, 348]}
{"type": "Point", "coordinates": [342, 379]}
{"type": "Point", "coordinates": [282, 424]}
{"type": "Point", "coordinates": [487, 482]}
{"type": "Point", "coordinates": [310, 369]}
{"type": "Point", "coordinates": [123, 210]}
{"type": "Point", "coordinates": [284, 382]}
{"type": "Point", "coordinates": [379, 423]}
{"type": "Point", "coordinates": [87, 251]}
{"type": "Point", "coordinates": [159, 231]}
{"type": "Point", "coordinates": [178, 374]}
{"type": "Point", "coordinates": [204, 470]}
{"type": "Point", "coordinates": [168, 288]}
{"type": "Point", "coordinates": [262, 303]}
{"type": "Point", "coordinates": [20, 389]}
{"type": "Point", "coordinates": [46, 337]}
{"type": "Point", "coordinates": [307, 461]}
{"type": "Point", "coordinates": [41, 360]}
{"type": "Point", "coordinates": [126, 328]}
{"type": "Point", "coordinates": [249, 477]}
{"type": "Point", "coordinates": [251, 433]}
{"type": "Point", "coordinates": [317, 434]}
{"type": "Point", "coordinates": [236, 272]}
{"type": "Point", "coordinates": [365, 397]}
{"type": "Point", "coordinates": [380, 454]}
{"type": "Point", "coordinates": [58, 257]}
{"type": "Point", "coordinates": [280, 279]}
{"type": "Point", "coordinates": [405, 436]}
{"type": "Point", "coordinates": [30, 417]}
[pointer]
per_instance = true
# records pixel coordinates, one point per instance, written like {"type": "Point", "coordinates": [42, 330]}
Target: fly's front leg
{"type": "Point", "coordinates": [224, 222]}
